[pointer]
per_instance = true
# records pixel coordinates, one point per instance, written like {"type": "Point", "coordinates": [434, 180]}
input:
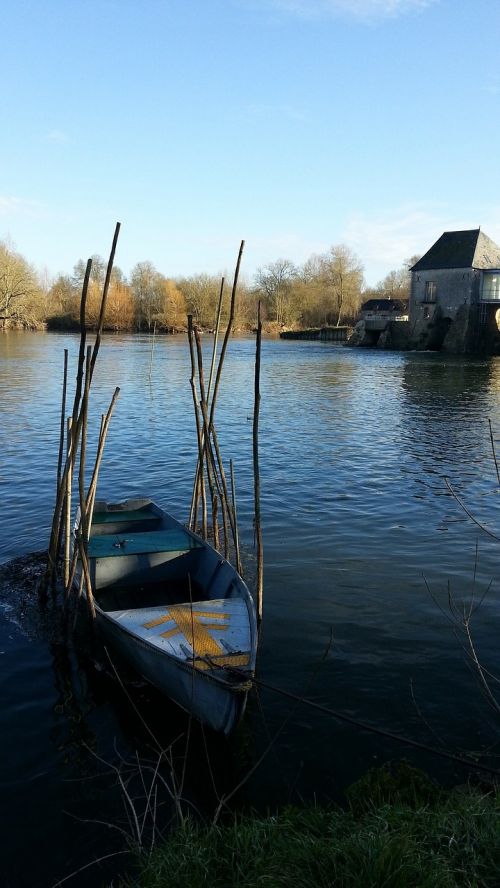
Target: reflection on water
{"type": "Point", "coordinates": [355, 446]}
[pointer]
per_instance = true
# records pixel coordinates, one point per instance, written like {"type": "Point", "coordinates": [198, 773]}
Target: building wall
{"type": "Point", "coordinates": [454, 287]}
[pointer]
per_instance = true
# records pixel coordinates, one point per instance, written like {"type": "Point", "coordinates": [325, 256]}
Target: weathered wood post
{"type": "Point", "coordinates": [201, 480]}
{"type": "Point", "coordinates": [69, 481]}
{"type": "Point", "coordinates": [256, 473]}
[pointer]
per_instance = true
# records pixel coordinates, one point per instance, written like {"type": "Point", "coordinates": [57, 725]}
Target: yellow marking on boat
{"type": "Point", "coordinates": [228, 660]}
{"type": "Point", "coordinates": [167, 616]}
{"type": "Point", "coordinates": [158, 621]}
{"type": "Point", "coordinates": [169, 632]}
{"type": "Point", "coordinates": [195, 632]}
{"type": "Point", "coordinates": [209, 614]}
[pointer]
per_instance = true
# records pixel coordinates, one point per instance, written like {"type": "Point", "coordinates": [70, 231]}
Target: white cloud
{"type": "Point", "coordinates": [366, 10]}
{"type": "Point", "coordinates": [57, 137]}
{"type": "Point", "coordinates": [18, 206]}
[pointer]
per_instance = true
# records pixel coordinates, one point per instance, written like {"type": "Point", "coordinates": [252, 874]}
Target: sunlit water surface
{"type": "Point", "coordinates": [362, 540]}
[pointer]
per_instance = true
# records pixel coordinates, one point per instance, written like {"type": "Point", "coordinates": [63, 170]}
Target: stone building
{"type": "Point", "coordinates": [455, 295]}
{"type": "Point", "coordinates": [378, 321]}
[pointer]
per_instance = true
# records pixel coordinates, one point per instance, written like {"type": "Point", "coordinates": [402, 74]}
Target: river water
{"type": "Point", "coordinates": [363, 541]}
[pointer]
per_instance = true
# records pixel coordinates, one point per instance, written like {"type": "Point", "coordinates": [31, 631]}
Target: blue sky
{"type": "Point", "coordinates": [295, 124]}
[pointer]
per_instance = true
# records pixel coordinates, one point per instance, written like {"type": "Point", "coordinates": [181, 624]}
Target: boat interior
{"type": "Point", "coordinates": [144, 558]}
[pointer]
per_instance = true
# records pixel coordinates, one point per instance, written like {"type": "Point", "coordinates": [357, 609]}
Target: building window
{"type": "Point", "coordinates": [491, 286]}
{"type": "Point", "coordinates": [430, 291]}
{"type": "Point", "coordinates": [483, 314]}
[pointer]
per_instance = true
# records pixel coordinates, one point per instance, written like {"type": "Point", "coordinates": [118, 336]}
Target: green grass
{"type": "Point", "coordinates": [396, 831]}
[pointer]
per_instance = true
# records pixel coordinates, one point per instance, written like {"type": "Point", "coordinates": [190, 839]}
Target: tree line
{"type": "Point", "coordinates": [328, 289]}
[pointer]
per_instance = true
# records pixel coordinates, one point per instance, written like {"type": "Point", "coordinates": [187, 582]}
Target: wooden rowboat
{"type": "Point", "coordinates": [174, 608]}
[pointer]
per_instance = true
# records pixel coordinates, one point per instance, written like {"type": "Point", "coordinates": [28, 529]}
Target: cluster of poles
{"type": "Point", "coordinates": [73, 444]}
{"type": "Point", "coordinates": [211, 488]}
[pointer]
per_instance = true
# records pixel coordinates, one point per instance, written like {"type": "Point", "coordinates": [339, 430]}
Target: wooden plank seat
{"type": "Point", "coordinates": [144, 516]}
{"type": "Point", "coordinates": [105, 523]}
{"type": "Point", "coordinates": [114, 545]}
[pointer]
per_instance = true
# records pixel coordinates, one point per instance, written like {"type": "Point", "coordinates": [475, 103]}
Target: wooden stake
{"type": "Point", "coordinates": [216, 338]}
{"type": "Point", "coordinates": [201, 480]}
{"type": "Point", "coordinates": [50, 572]}
{"type": "Point", "coordinates": [209, 458]}
{"type": "Point", "coordinates": [194, 498]}
{"type": "Point", "coordinates": [256, 473]}
{"type": "Point", "coordinates": [77, 418]}
{"type": "Point", "coordinates": [227, 333]}
{"type": "Point", "coordinates": [152, 351]}
{"type": "Point", "coordinates": [67, 535]}
{"type": "Point", "coordinates": [63, 417]}
{"type": "Point", "coordinates": [235, 517]}
{"type": "Point", "coordinates": [83, 529]}
{"type": "Point", "coordinates": [104, 300]}
{"type": "Point", "coordinates": [105, 421]}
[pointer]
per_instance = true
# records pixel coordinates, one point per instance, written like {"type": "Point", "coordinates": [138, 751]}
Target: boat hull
{"type": "Point", "coordinates": [174, 608]}
{"type": "Point", "coordinates": [199, 693]}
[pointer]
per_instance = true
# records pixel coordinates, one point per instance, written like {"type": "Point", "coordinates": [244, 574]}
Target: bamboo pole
{"type": "Point", "coordinates": [493, 450]}
{"type": "Point", "coordinates": [209, 459]}
{"type": "Point", "coordinates": [235, 516]}
{"type": "Point", "coordinates": [196, 486]}
{"type": "Point", "coordinates": [67, 535]}
{"type": "Point", "coordinates": [152, 351]}
{"type": "Point", "coordinates": [83, 529]}
{"type": "Point", "coordinates": [211, 428]}
{"type": "Point", "coordinates": [105, 421]}
{"type": "Point", "coordinates": [63, 418]}
{"type": "Point", "coordinates": [198, 435]}
{"type": "Point", "coordinates": [256, 473]}
{"type": "Point", "coordinates": [86, 575]}
{"type": "Point", "coordinates": [223, 482]}
{"type": "Point", "coordinates": [77, 413]}
{"type": "Point", "coordinates": [227, 334]}
{"type": "Point", "coordinates": [218, 376]}
{"type": "Point", "coordinates": [216, 338]}
{"type": "Point", "coordinates": [104, 299]}
{"type": "Point", "coordinates": [60, 456]}
{"type": "Point", "coordinates": [90, 499]}
{"type": "Point", "coordinates": [49, 574]}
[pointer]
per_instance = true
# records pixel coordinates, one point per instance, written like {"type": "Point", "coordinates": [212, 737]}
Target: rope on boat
{"type": "Point", "coordinates": [399, 738]}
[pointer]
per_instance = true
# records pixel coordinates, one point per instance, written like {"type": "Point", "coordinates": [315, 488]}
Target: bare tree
{"type": "Point", "coordinates": [147, 286]}
{"type": "Point", "coordinates": [276, 284]}
{"type": "Point", "coordinates": [18, 290]}
{"type": "Point", "coordinates": [201, 292]}
{"type": "Point", "coordinates": [341, 275]}
{"type": "Point", "coordinates": [174, 311]}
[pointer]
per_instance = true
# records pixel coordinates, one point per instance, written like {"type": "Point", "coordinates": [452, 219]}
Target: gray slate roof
{"type": "Point", "coordinates": [461, 249]}
{"type": "Point", "coordinates": [384, 305]}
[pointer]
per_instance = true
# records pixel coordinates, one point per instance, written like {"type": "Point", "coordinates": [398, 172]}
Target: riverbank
{"type": "Point", "coordinates": [396, 829]}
